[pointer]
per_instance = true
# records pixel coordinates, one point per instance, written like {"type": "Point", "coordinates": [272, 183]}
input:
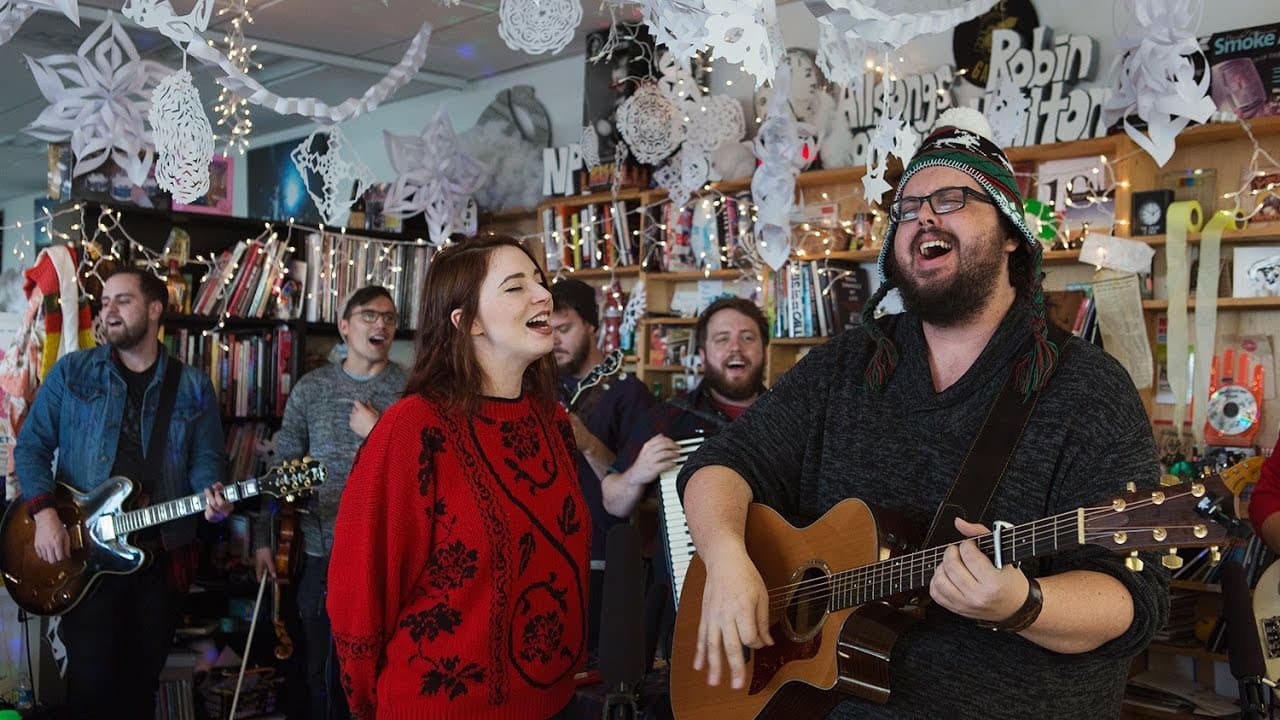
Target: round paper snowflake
{"type": "Point", "coordinates": [183, 136]}
{"type": "Point", "coordinates": [713, 121]}
{"type": "Point", "coordinates": [538, 26]}
{"type": "Point", "coordinates": [99, 98]}
{"type": "Point", "coordinates": [651, 124]}
{"type": "Point", "coordinates": [590, 146]}
{"type": "Point", "coordinates": [334, 171]}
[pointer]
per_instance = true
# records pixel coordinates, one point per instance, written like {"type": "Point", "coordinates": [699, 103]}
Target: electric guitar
{"type": "Point", "coordinates": [99, 527]}
{"type": "Point", "coordinates": [611, 365]}
{"type": "Point", "coordinates": [833, 571]}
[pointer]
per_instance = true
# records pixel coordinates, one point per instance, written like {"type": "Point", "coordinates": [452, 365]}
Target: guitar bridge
{"type": "Point", "coordinates": [1271, 636]}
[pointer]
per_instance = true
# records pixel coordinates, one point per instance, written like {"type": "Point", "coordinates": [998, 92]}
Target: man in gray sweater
{"type": "Point", "coordinates": [887, 413]}
{"type": "Point", "coordinates": [329, 413]}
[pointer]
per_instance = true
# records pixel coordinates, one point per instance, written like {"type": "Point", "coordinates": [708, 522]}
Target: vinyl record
{"type": "Point", "coordinates": [1232, 410]}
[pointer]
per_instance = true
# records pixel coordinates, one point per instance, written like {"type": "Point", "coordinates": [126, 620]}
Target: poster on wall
{"type": "Point", "coordinates": [1244, 75]}
{"type": "Point", "coordinates": [276, 190]}
{"type": "Point", "coordinates": [611, 79]}
{"type": "Point", "coordinates": [218, 200]}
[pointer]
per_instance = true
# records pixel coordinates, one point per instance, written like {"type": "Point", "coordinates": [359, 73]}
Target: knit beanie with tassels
{"type": "Point", "coordinates": [962, 142]}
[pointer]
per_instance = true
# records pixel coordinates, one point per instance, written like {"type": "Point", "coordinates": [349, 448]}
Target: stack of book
{"type": "Point", "coordinates": [818, 298]}
{"type": "Point", "coordinates": [338, 265]}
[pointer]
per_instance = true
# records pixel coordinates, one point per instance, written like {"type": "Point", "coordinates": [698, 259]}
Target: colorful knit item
{"type": "Point", "coordinates": [54, 276]}
{"type": "Point", "coordinates": [962, 143]}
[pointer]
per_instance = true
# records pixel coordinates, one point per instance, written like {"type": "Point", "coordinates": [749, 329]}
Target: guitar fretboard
{"type": "Point", "coordinates": [134, 520]}
{"type": "Point", "coordinates": [912, 572]}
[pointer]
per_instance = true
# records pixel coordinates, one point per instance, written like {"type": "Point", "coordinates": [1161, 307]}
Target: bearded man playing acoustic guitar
{"type": "Point", "coordinates": [98, 409]}
{"type": "Point", "coordinates": [887, 413]}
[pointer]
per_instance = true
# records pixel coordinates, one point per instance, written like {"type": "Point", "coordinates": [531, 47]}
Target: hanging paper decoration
{"type": "Point", "coordinates": [538, 26]}
{"type": "Point", "coordinates": [745, 33]}
{"type": "Point", "coordinates": [714, 121]}
{"type": "Point", "coordinates": [651, 124]}
{"type": "Point", "coordinates": [184, 139]}
{"type": "Point", "coordinates": [1154, 77]}
{"type": "Point", "coordinates": [634, 310]}
{"type": "Point", "coordinates": [778, 147]}
{"type": "Point", "coordinates": [1008, 112]}
{"type": "Point", "coordinates": [841, 55]}
{"type": "Point", "coordinates": [434, 176]}
{"type": "Point", "coordinates": [101, 104]}
{"type": "Point", "coordinates": [14, 14]}
{"type": "Point", "coordinates": [893, 23]}
{"type": "Point", "coordinates": [589, 146]}
{"type": "Point", "coordinates": [890, 136]}
{"type": "Point", "coordinates": [678, 25]}
{"type": "Point", "coordinates": [235, 80]}
{"type": "Point", "coordinates": [159, 15]}
{"type": "Point", "coordinates": [335, 172]}
{"type": "Point", "coordinates": [232, 110]}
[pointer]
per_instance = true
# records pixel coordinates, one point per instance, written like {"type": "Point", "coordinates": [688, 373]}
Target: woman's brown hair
{"type": "Point", "coordinates": [445, 368]}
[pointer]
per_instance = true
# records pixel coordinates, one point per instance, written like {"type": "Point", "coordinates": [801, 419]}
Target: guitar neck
{"type": "Point", "coordinates": [912, 572]}
{"type": "Point", "coordinates": [134, 520]}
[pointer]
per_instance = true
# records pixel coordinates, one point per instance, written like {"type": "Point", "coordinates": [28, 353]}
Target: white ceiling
{"type": "Point", "coordinates": [330, 49]}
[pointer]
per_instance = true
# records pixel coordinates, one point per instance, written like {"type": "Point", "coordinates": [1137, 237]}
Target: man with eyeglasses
{"type": "Point", "coordinates": [888, 412]}
{"type": "Point", "coordinates": [329, 413]}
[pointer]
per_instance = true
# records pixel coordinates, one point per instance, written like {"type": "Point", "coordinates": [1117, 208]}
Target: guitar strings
{"type": "Point", "coordinates": [930, 558]}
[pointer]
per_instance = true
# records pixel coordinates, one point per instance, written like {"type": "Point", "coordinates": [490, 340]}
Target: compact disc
{"type": "Point", "coordinates": [1232, 410]}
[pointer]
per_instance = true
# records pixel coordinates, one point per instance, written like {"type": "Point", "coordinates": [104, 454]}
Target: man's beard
{"type": "Point", "coordinates": [961, 298]}
{"type": "Point", "coordinates": [736, 390]}
{"type": "Point", "coordinates": [129, 336]}
{"type": "Point", "coordinates": [575, 362]}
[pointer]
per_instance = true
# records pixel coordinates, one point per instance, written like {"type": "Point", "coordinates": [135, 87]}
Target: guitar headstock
{"type": "Point", "coordinates": [1187, 514]}
{"type": "Point", "coordinates": [607, 368]}
{"type": "Point", "coordinates": [293, 478]}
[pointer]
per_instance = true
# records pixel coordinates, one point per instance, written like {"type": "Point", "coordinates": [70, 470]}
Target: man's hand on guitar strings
{"type": "Point", "coordinates": [217, 508]}
{"type": "Point", "coordinates": [735, 612]}
{"type": "Point", "coordinates": [52, 542]}
{"type": "Point", "coordinates": [968, 584]}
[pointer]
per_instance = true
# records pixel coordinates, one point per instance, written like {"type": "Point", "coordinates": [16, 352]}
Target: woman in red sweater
{"type": "Point", "coordinates": [1264, 504]}
{"type": "Point", "coordinates": [458, 583]}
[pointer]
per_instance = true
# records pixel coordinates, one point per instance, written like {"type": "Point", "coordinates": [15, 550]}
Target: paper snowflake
{"type": "Point", "coordinates": [590, 146]}
{"type": "Point", "coordinates": [878, 150]}
{"type": "Point", "coordinates": [713, 121]}
{"type": "Point", "coordinates": [1154, 77]}
{"type": "Point", "coordinates": [743, 32]}
{"type": "Point", "coordinates": [159, 15]}
{"type": "Point", "coordinates": [779, 148]}
{"type": "Point", "coordinates": [434, 176]}
{"type": "Point", "coordinates": [678, 25]}
{"type": "Point", "coordinates": [538, 26]}
{"type": "Point", "coordinates": [893, 23]}
{"type": "Point", "coordinates": [634, 310]}
{"type": "Point", "coordinates": [1008, 112]}
{"type": "Point", "coordinates": [334, 170]}
{"type": "Point", "coordinates": [841, 55]}
{"type": "Point", "coordinates": [183, 136]}
{"type": "Point", "coordinates": [101, 105]}
{"type": "Point", "coordinates": [651, 124]}
{"type": "Point", "coordinates": [13, 14]}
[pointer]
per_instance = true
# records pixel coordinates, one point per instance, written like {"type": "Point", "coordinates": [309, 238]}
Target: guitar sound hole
{"type": "Point", "coordinates": [809, 602]}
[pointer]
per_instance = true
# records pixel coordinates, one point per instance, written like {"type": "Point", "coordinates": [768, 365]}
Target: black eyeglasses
{"type": "Point", "coordinates": [943, 200]}
{"type": "Point", "coordinates": [369, 317]}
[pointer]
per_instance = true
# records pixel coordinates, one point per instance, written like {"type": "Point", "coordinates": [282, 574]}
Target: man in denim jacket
{"type": "Point", "coordinates": [96, 410]}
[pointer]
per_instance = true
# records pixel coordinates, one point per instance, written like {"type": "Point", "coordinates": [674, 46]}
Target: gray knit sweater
{"type": "Point", "coordinates": [819, 437]}
{"type": "Point", "coordinates": [316, 423]}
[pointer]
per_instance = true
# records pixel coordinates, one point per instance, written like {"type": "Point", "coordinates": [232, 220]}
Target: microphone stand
{"type": "Point", "coordinates": [620, 703]}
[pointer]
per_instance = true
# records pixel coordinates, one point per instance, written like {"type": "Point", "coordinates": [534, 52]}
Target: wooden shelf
{"type": "Point", "coordinates": [1061, 257]}
{"type": "Point", "coordinates": [599, 273]}
{"type": "Point", "coordinates": [1255, 232]}
{"type": "Point", "coordinates": [665, 368]}
{"type": "Point", "coordinates": [1071, 149]}
{"type": "Point", "coordinates": [695, 275]}
{"type": "Point", "coordinates": [799, 340]}
{"type": "Point", "coordinates": [669, 321]}
{"type": "Point", "coordinates": [1254, 303]}
{"type": "Point", "coordinates": [600, 197]}
{"type": "Point", "coordinates": [1217, 132]}
{"type": "Point", "coordinates": [862, 256]}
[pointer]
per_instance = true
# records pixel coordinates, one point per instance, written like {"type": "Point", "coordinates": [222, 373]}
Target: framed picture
{"type": "Point", "coordinates": [109, 183]}
{"type": "Point", "coordinates": [1265, 186]}
{"type": "Point", "coordinates": [276, 190]}
{"type": "Point", "coordinates": [1256, 271]}
{"type": "Point", "coordinates": [218, 200]}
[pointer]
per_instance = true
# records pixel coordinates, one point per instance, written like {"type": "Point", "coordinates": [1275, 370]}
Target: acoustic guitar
{"type": "Point", "coordinates": [827, 583]}
{"type": "Point", "coordinates": [99, 526]}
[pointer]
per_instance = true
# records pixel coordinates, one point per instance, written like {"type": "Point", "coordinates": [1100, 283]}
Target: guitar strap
{"type": "Point", "coordinates": [988, 458]}
{"type": "Point", "coordinates": [159, 441]}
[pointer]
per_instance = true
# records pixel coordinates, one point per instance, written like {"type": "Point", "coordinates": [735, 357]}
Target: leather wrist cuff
{"type": "Point", "coordinates": [1025, 615]}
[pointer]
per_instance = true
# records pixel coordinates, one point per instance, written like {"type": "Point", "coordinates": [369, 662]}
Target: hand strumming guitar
{"type": "Point", "coordinates": [735, 612]}
{"type": "Point", "coordinates": [53, 544]}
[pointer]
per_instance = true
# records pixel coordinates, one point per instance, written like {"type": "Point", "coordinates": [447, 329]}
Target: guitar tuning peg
{"type": "Point", "coordinates": [1169, 480]}
{"type": "Point", "coordinates": [1172, 559]}
{"type": "Point", "coordinates": [1134, 563]}
{"type": "Point", "coordinates": [1215, 555]}
{"type": "Point", "coordinates": [1131, 487]}
{"type": "Point", "coordinates": [307, 459]}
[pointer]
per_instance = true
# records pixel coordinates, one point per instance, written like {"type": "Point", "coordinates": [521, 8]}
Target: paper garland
{"type": "Point", "coordinates": [538, 26]}
{"type": "Point", "coordinates": [1154, 78]}
{"type": "Point", "coordinates": [778, 147]}
{"type": "Point", "coordinates": [159, 15]}
{"type": "Point", "coordinates": [335, 170]}
{"type": "Point", "coordinates": [101, 110]}
{"type": "Point", "coordinates": [235, 80]}
{"type": "Point", "coordinates": [183, 137]}
{"type": "Point", "coordinates": [434, 176]}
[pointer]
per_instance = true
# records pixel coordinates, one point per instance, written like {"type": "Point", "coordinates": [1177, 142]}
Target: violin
{"type": "Point", "coordinates": [286, 561]}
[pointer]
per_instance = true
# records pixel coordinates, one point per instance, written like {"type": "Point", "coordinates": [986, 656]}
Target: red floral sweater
{"type": "Point", "coordinates": [458, 580]}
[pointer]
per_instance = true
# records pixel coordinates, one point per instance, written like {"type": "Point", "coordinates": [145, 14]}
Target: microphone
{"type": "Point", "coordinates": [621, 623]}
{"type": "Point", "coordinates": [1244, 649]}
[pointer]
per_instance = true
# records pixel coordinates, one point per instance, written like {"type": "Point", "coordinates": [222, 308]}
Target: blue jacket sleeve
{"type": "Point", "coordinates": [38, 439]}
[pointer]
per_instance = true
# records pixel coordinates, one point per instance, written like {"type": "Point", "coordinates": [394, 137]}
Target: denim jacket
{"type": "Point", "coordinates": [77, 412]}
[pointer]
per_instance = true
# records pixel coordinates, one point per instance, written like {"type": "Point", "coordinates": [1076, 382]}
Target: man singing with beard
{"type": "Point", "coordinates": [731, 337]}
